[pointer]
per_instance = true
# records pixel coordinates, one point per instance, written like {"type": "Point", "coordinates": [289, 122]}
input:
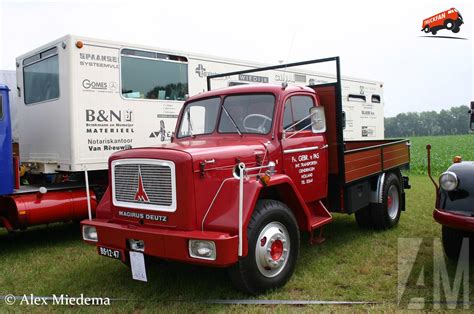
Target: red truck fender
{"type": "Point", "coordinates": [280, 187]}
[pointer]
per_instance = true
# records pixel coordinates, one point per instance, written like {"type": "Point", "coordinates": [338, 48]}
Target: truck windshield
{"type": "Point", "coordinates": [240, 114]}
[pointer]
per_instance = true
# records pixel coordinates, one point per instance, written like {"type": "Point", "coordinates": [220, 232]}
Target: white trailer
{"type": "Point", "coordinates": [81, 99]}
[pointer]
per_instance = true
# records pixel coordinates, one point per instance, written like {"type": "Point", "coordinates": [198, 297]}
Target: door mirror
{"type": "Point", "coordinates": [318, 119]}
{"type": "Point", "coordinates": [471, 112]}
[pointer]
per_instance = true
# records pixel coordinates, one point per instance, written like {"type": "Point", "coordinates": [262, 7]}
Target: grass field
{"type": "Point", "coordinates": [443, 149]}
{"type": "Point", "coordinates": [352, 265]}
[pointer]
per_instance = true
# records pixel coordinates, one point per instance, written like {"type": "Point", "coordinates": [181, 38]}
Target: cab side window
{"type": "Point", "coordinates": [296, 116]}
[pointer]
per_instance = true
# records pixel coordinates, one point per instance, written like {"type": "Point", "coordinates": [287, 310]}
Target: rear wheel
{"type": "Point", "coordinates": [449, 24]}
{"type": "Point", "coordinates": [426, 29]}
{"type": "Point", "coordinates": [456, 29]}
{"type": "Point", "coordinates": [434, 32]}
{"type": "Point", "coordinates": [273, 247]}
{"type": "Point", "coordinates": [387, 214]}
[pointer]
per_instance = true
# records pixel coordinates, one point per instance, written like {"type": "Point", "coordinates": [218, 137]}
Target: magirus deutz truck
{"type": "Point", "coordinates": [81, 99]}
{"type": "Point", "coordinates": [248, 168]}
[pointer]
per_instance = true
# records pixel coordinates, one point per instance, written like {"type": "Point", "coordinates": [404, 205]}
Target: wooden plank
{"type": "Point", "coordinates": [363, 163]}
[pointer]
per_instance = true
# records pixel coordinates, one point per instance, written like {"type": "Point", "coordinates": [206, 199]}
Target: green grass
{"type": "Point", "coordinates": [443, 149]}
{"type": "Point", "coordinates": [352, 264]}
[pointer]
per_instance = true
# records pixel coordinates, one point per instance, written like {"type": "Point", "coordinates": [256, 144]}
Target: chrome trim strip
{"type": "Point", "coordinates": [304, 149]}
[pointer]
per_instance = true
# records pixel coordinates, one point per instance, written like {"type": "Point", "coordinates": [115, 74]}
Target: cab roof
{"type": "Point", "coordinates": [256, 88]}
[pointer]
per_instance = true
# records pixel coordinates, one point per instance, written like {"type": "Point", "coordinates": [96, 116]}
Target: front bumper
{"type": "Point", "coordinates": [165, 243]}
{"type": "Point", "coordinates": [454, 221]}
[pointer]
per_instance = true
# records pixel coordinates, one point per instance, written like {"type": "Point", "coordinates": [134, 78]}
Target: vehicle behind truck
{"type": "Point", "coordinates": [248, 169]}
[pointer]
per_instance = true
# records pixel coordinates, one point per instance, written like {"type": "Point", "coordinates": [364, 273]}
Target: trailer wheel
{"type": "Point", "coordinates": [363, 218]}
{"type": "Point", "coordinates": [387, 214]}
{"type": "Point", "coordinates": [273, 247]}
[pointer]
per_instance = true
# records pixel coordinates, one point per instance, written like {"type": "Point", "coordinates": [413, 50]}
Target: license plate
{"type": "Point", "coordinates": [137, 262]}
{"type": "Point", "coordinates": [112, 253]}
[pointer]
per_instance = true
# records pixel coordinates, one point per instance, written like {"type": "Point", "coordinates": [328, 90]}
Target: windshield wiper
{"type": "Point", "coordinates": [232, 120]}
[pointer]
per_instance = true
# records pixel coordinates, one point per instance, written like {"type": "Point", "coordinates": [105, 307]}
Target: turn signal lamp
{"type": "Point", "coordinates": [457, 159]}
{"type": "Point", "coordinates": [79, 44]}
{"type": "Point", "coordinates": [265, 179]}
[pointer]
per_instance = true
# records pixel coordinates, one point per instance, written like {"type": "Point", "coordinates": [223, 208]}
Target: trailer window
{"type": "Point", "coordinates": [41, 77]}
{"type": "Point", "coordinates": [376, 99]}
{"type": "Point", "coordinates": [356, 98]}
{"type": "Point", "coordinates": [297, 113]}
{"type": "Point", "coordinates": [150, 75]}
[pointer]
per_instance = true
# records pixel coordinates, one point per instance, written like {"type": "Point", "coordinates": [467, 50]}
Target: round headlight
{"type": "Point", "coordinates": [448, 181]}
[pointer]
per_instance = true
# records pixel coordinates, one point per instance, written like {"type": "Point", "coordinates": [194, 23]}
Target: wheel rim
{"type": "Point", "coordinates": [449, 25]}
{"type": "Point", "coordinates": [272, 249]}
{"type": "Point", "coordinates": [393, 202]}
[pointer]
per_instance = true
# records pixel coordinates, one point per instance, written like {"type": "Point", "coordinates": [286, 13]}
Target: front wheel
{"type": "Point", "coordinates": [273, 247]}
{"type": "Point", "coordinates": [452, 242]}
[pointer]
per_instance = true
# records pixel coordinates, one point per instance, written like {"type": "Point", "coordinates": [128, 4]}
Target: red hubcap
{"type": "Point", "coordinates": [276, 250]}
{"type": "Point", "coordinates": [389, 201]}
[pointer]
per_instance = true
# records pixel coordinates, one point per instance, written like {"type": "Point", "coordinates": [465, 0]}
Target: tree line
{"type": "Point", "coordinates": [453, 121]}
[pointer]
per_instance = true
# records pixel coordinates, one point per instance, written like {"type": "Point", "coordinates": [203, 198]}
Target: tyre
{"type": "Point", "coordinates": [449, 24]}
{"type": "Point", "coordinates": [273, 247]}
{"type": "Point", "coordinates": [452, 242]}
{"type": "Point", "coordinates": [364, 218]}
{"type": "Point", "coordinates": [434, 32]}
{"type": "Point", "coordinates": [456, 29]}
{"type": "Point", "coordinates": [387, 214]}
{"type": "Point", "coordinates": [426, 29]}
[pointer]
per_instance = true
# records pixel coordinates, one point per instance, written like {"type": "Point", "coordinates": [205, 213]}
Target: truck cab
{"type": "Point", "coordinates": [248, 169]}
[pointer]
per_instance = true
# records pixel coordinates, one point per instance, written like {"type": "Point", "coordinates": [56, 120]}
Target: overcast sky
{"type": "Point", "coordinates": [378, 40]}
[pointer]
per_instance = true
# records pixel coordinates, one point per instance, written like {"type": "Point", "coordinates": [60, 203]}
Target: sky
{"type": "Point", "coordinates": [377, 40]}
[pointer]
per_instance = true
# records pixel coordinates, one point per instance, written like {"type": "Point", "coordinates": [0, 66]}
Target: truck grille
{"type": "Point", "coordinates": [144, 184]}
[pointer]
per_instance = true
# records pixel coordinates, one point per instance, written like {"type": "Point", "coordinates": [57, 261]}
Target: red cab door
{"type": "Point", "coordinates": [304, 152]}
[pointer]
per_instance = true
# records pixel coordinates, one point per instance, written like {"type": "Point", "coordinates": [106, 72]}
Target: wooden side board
{"type": "Point", "coordinates": [367, 161]}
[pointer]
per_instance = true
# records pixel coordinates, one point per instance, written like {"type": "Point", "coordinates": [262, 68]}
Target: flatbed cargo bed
{"type": "Point", "coordinates": [366, 158]}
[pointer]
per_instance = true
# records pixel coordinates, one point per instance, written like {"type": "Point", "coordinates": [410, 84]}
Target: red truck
{"type": "Point", "coordinates": [249, 168]}
{"type": "Point", "coordinates": [454, 208]}
{"type": "Point", "coordinates": [450, 19]}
